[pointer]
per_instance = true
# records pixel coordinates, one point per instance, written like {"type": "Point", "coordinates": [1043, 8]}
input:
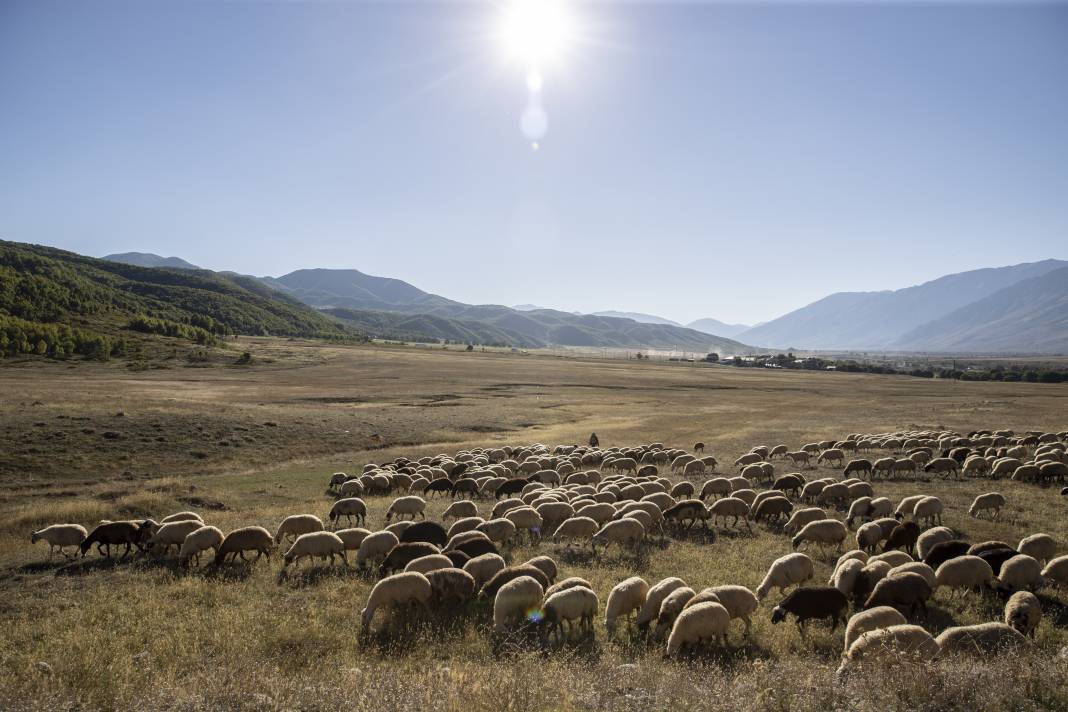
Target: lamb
{"type": "Point", "coordinates": [297, 524]}
{"type": "Point", "coordinates": [991, 501]}
{"type": "Point", "coordinates": [483, 568]}
{"type": "Point", "coordinates": [824, 532]}
{"type": "Point", "coordinates": [350, 508]}
{"type": "Point", "coordinates": [510, 573]}
{"type": "Point", "coordinates": [965, 572]}
{"type": "Point", "coordinates": [730, 507]}
{"type": "Point", "coordinates": [808, 602]}
{"type": "Point", "coordinates": [109, 534]}
{"type": "Point", "coordinates": [697, 624]}
{"type": "Point", "coordinates": [577, 603]}
{"type": "Point", "coordinates": [407, 506]}
{"type": "Point", "coordinates": [315, 545]}
{"type": "Point", "coordinates": [459, 510]}
{"type": "Point", "coordinates": [1042, 547]}
{"type": "Point", "coordinates": [1056, 571]}
{"type": "Point", "coordinates": [621, 531]}
{"type": "Point", "coordinates": [245, 539]}
{"type": "Point", "coordinates": [1023, 612]}
{"type": "Point", "coordinates": [450, 586]}
{"type": "Point", "coordinates": [60, 536]}
{"type": "Point", "coordinates": [173, 534]}
{"type": "Point", "coordinates": [1020, 572]}
{"type": "Point", "coordinates": [429, 562]}
{"type": "Point", "coordinates": [902, 591]}
{"type": "Point", "coordinates": [626, 597]}
{"type": "Point", "coordinates": [394, 592]}
{"type": "Point", "coordinates": [904, 536]}
{"type": "Point", "coordinates": [514, 601]}
{"type": "Point", "coordinates": [931, 537]}
{"type": "Point", "coordinates": [375, 547]}
{"type": "Point", "coordinates": [801, 517]}
{"type": "Point", "coordinates": [784, 572]}
{"type": "Point", "coordinates": [894, 642]}
{"type": "Point", "coordinates": [198, 541]}
{"type": "Point", "coordinates": [655, 598]}
{"type": "Point", "coordinates": [871, 619]}
{"type": "Point", "coordinates": [981, 639]}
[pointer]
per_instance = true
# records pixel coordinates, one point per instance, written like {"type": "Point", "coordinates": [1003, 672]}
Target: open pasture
{"type": "Point", "coordinates": [92, 633]}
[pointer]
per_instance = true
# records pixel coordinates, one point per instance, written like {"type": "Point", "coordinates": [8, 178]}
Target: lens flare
{"type": "Point", "coordinates": [535, 31]}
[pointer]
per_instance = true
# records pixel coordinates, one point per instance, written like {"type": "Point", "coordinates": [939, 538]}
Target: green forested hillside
{"type": "Point", "coordinates": [59, 303]}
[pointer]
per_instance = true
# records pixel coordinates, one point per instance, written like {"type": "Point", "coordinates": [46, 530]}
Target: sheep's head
{"type": "Point", "coordinates": [34, 537]}
{"type": "Point", "coordinates": [778, 614]}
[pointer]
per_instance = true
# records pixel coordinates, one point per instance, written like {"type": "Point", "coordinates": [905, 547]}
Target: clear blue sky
{"type": "Point", "coordinates": [701, 159]}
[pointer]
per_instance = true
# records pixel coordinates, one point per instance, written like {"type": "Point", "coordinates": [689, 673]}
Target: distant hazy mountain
{"type": "Point", "coordinates": [147, 259]}
{"type": "Point", "coordinates": [878, 320]}
{"type": "Point", "coordinates": [350, 295]}
{"type": "Point", "coordinates": [640, 318]}
{"type": "Point", "coordinates": [1029, 316]}
{"type": "Point", "coordinates": [527, 307]}
{"type": "Point", "coordinates": [717, 327]}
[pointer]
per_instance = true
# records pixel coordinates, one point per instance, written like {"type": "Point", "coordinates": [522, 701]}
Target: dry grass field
{"type": "Point", "coordinates": [248, 445]}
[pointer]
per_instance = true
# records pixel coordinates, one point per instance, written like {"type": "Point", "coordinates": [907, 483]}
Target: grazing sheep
{"type": "Point", "coordinates": [784, 572]}
{"type": "Point", "coordinates": [801, 517]}
{"type": "Point", "coordinates": [654, 598]}
{"type": "Point", "coordinates": [580, 528]}
{"type": "Point", "coordinates": [395, 592]}
{"type": "Point", "coordinates": [315, 545]}
{"type": "Point", "coordinates": [1056, 571]}
{"type": "Point", "coordinates": [624, 532]}
{"type": "Point", "coordinates": [245, 539]}
{"type": "Point", "coordinates": [450, 586]}
{"type": "Point", "coordinates": [403, 554]}
{"type": "Point", "coordinates": [868, 578]}
{"type": "Point", "coordinates": [60, 536]}
{"type": "Point", "coordinates": [738, 600]}
{"type": "Point", "coordinates": [965, 572]}
{"type": "Point", "coordinates": [350, 508]}
{"type": "Point", "coordinates": [916, 567]}
{"type": "Point", "coordinates": [894, 558]}
{"type": "Point", "coordinates": [297, 524]}
{"type": "Point", "coordinates": [1023, 612]}
{"type": "Point", "coordinates": [808, 602]}
{"type": "Point", "coordinates": [546, 565]}
{"type": "Point", "coordinates": [509, 573]}
{"type": "Point", "coordinates": [845, 576]}
{"type": "Point", "coordinates": [460, 509]}
{"type": "Point", "coordinates": [858, 554]}
{"type": "Point", "coordinates": [577, 603]}
{"type": "Point", "coordinates": [991, 501]}
{"type": "Point", "coordinates": [1042, 547]}
{"type": "Point", "coordinates": [717, 487]}
{"type": "Point", "coordinates": [197, 542]}
{"type": "Point", "coordinates": [483, 568]}
{"type": "Point", "coordinates": [692, 510]}
{"type": "Point", "coordinates": [943, 551]}
{"type": "Point", "coordinates": [466, 524]}
{"type": "Point", "coordinates": [893, 643]}
{"type": "Point", "coordinates": [173, 534]}
{"type": "Point", "coordinates": [1020, 572]}
{"type": "Point", "coordinates": [625, 598]}
{"type": "Point", "coordinates": [429, 532]}
{"type": "Point", "coordinates": [904, 535]}
{"type": "Point", "coordinates": [515, 601]}
{"type": "Point", "coordinates": [868, 537]}
{"type": "Point", "coordinates": [771, 508]}
{"type": "Point", "coordinates": [980, 639]}
{"type": "Point", "coordinates": [825, 532]}
{"type": "Point", "coordinates": [871, 619]}
{"type": "Point", "coordinates": [109, 534]}
{"type": "Point", "coordinates": [927, 510]}
{"type": "Point", "coordinates": [730, 507]}
{"type": "Point", "coordinates": [181, 517]}
{"type": "Point", "coordinates": [697, 624]}
{"type": "Point", "coordinates": [932, 536]}
{"type": "Point", "coordinates": [375, 547]}
{"type": "Point", "coordinates": [407, 506]}
{"type": "Point", "coordinates": [352, 538]}
{"type": "Point", "coordinates": [943, 466]}
{"type": "Point", "coordinates": [832, 456]}
{"type": "Point", "coordinates": [430, 562]}
{"type": "Point", "coordinates": [907, 590]}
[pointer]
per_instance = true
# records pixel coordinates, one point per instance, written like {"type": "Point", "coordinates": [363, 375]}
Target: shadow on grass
{"type": "Point", "coordinates": [303, 577]}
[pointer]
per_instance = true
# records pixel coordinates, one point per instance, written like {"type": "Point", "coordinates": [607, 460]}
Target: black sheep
{"type": "Point", "coordinates": [997, 557]}
{"type": "Point", "coordinates": [808, 602]}
{"type": "Point", "coordinates": [476, 547]}
{"type": "Point", "coordinates": [403, 554]}
{"type": "Point", "coordinates": [943, 551]}
{"type": "Point", "coordinates": [464, 485]}
{"type": "Point", "coordinates": [513, 486]}
{"type": "Point", "coordinates": [903, 535]}
{"type": "Point", "coordinates": [112, 534]}
{"type": "Point", "coordinates": [430, 532]}
{"type": "Point", "coordinates": [442, 485]}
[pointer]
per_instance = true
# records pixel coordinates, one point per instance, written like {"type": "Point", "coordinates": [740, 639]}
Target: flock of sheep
{"type": "Point", "coordinates": [603, 497]}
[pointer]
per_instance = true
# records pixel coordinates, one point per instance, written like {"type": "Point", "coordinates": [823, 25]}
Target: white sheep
{"type": "Point", "coordinates": [624, 532]}
{"type": "Point", "coordinates": [893, 643]}
{"type": "Point", "coordinates": [375, 547]}
{"type": "Point", "coordinates": [459, 509]}
{"type": "Point", "coordinates": [515, 601]}
{"type": "Point", "coordinates": [705, 621]}
{"type": "Point", "coordinates": [670, 608]}
{"type": "Point", "coordinates": [931, 537]}
{"type": "Point", "coordinates": [499, 531]}
{"type": "Point", "coordinates": [577, 603]}
{"type": "Point", "coordinates": [989, 501]}
{"type": "Point", "coordinates": [1020, 572]}
{"type": "Point", "coordinates": [785, 571]}
{"type": "Point", "coordinates": [844, 577]}
{"type": "Point", "coordinates": [965, 572]}
{"type": "Point", "coordinates": [654, 598]}
{"type": "Point", "coordinates": [181, 517]}
{"type": "Point", "coordinates": [407, 506]}
{"type": "Point", "coordinates": [1041, 546]}
{"type": "Point", "coordinates": [894, 557]}
{"type": "Point", "coordinates": [801, 517]}
{"type": "Point", "coordinates": [858, 554]}
{"type": "Point", "coordinates": [824, 532]}
{"type": "Point", "coordinates": [60, 536]}
{"type": "Point", "coordinates": [237, 542]}
{"type": "Point", "coordinates": [297, 524]}
{"type": "Point", "coordinates": [397, 591]}
{"type": "Point", "coordinates": [625, 598]}
{"type": "Point", "coordinates": [734, 507]}
{"type": "Point", "coordinates": [483, 568]}
{"type": "Point", "coordinates": [739, 601]}
{"type": "Point", "coordinates": [927, 510]}
{"type": "Point", "coordinates": [981, 639]}
{"type": "Point", "coordinates": [428, 563]}
{"type": "Point", "coordinates": [199, 541]}
{"type": "Point", "coordinates": [868, 536]}
{"type": "Point", "coordinates": [871, 619]}
{"type": "Point", "coordinates": [1023, 611]}
{"type": "Point", "coordinates": [451, 586]}
{"type": "Point", "coordinates": [173, 534]}
{"type": "Point", "coordinates": [915, 567]}
{"type": "Point", "coordinates": [315, 545]}
{"type": "Point", "coordinates": [466, 524]}
{"type": "Point", "coordinates": [350, 508]}
{"type": "Point", "coordinates": [352, 538]}
{"type": "Point", "coordinates": [1056, 571]}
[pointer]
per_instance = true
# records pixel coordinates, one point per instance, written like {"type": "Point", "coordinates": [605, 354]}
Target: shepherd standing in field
{"type": "Point", "coordinates": [594, 442]}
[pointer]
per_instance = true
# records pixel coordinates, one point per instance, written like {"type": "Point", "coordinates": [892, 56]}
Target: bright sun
{"type": "Point", "coordinates": [535, 31]}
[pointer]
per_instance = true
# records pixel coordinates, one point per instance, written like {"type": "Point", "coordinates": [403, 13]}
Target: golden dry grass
{"type": "Point", "coordinates": [142, 634]}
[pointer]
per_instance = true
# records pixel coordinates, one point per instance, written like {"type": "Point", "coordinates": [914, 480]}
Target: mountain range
{"type": "Point", "coordinates": [1015, 308]}
{"type": "Point", "coordinates": [147, 259]}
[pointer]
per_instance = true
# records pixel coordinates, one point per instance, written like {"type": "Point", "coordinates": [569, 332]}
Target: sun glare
{"type": "Point", "coordinates": [536, 31]}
